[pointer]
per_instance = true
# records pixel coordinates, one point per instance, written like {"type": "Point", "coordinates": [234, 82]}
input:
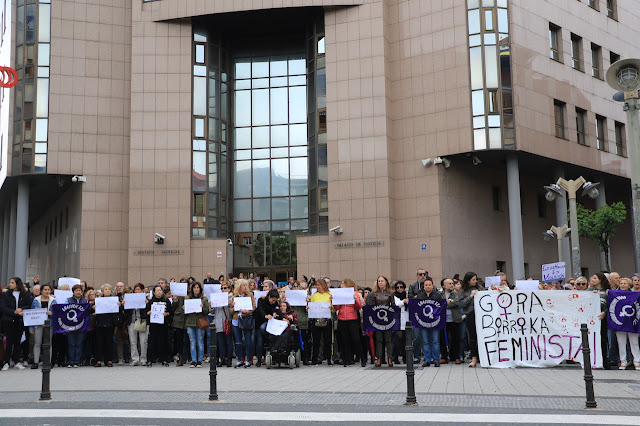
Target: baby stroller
{"type": "Point", "coordinates": [291, 357]}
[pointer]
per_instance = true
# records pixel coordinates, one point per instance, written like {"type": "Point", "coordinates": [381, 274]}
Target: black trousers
{"type": "Point", "coordinates": [158, 343]}
{"type": "Point", "coordinates": [473, 336]}
{"type": "Point", "coordinates": [306, 343]}
{"type": "Point", "coordinates": [59, 348]}
{"type": "Point", "coordinates": [350, 335]}
{"type": "Point", "coordinates": [104, 344]}
{"type": "Point", "coordinates": [178, 341]}
{"type": "Point", "coordinates": [398, 341]}
{"type": "Point", "coordinates": [451, 351]}
{"type": "Point", "coordinates": [13, 331]}
{"type": "Point", "coordinates": [322, 334]}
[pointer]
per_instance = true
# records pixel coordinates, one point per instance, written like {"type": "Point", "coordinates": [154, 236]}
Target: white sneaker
{"type": "Point", "coordinates": [6, 367]}
{"type": "Point", "coordinates": [19, 366]}
{"type": "Point", "coordinates": [622, 367]}
{"type": "Point", "coordinates": [133, 364]}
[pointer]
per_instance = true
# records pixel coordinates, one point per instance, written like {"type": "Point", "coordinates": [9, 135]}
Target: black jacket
{"type": "Point", "coordinates": [167, 308]}
{"type": "Point", "coordinates": [263, 309]}
{"type": "Point", "coordinates": [8, 305]}
{"type": "Point", "coordinates": [110, 320]}
{"type": "Point", "coordinates": [128, 315]}
{"type": "Point", "coordinates": [434, 295]}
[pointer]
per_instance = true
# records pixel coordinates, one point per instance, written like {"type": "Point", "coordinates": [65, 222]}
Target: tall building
{"type": "Point", "coordinates": [170, 138]}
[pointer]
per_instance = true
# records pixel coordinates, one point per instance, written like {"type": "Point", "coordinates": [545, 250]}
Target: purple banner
{"type": "Point", "coordinates": [381, 318]}
{"type": "Point", "coordinates": [70, 317]}
{"type": "Point", "coordinates": [624, 311]}
{"type": "Point", "coordinates": [426, 313]}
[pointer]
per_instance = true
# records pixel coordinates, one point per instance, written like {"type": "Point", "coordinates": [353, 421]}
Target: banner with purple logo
{"type": "Point", "coordinates": [381, 318]}
{"type": "Point", "coordinates": [426, 313]}
{"type": "Point", "coordinates": [624, 311]}
{"type": "Point", "coordinates": [70, 317]}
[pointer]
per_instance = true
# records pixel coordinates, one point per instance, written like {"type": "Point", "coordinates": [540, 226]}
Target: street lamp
{"type": "Point", "coordinates": [625, 76]}
{"type": "Point", "coordinates": [559, 234]}
{"type": "Point", "coordinates": [572, 186]}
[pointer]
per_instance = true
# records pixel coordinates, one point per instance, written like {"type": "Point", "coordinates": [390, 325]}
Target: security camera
{"type": "Point", "coordinates": [442, 160]}
{"type": "Point", "coordinates": [229, 241]}
{"type": "Point", "coordinates": [159, 238]}
{"type": "Point", "coordinates": [426, 162]}
{"type": "Point", "coordinates": [337, 230]}
{"type": "Point", "coordinates": [475, 160]}
{"type": "Point", "coordinates": [78, 178]}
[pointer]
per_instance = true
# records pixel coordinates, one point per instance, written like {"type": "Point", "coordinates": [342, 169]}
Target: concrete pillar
{"type": "Point", "coordinates": [601, 200]}
{"type": "Point", "coordinates": [4, 275]}
{"type": "Point", "coordinates": [11, 266]}
{"type": "Point", "coordinates": [22, 229]}
{"type": "Point", "coordinates": [515, 216]}
{"type": "Point", "coordinates": [560, 204]}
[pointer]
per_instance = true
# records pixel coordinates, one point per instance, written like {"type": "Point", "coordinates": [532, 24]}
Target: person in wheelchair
{"type": "Point", "coordinates": [280, 345]}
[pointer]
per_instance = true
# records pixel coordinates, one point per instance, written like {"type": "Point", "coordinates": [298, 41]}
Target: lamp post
{"type": "Point", "coordinates": [572, 186]}
{"type": "Point", "coordinates": [559, 233]}
{"type": "Point", "coordinates": [625, 76]}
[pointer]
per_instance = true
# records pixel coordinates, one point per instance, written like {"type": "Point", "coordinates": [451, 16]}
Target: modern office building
{"type": "Point", "coordinates": [287, 137]}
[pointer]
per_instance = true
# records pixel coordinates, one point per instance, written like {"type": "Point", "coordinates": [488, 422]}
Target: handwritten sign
{"type": "Point", "coordinates": [297, 297]}
{"type": "Point", "coordinates": [192, 306]}
{"type": "Point", "coordinates": [107, 305]}
{"type": "Point", "coordinates": [157, 313]}
{"type": "Point", "coordinates": [319, 310]}
{"type": "Point", "coordinates": [342, 296]}
{"type": "Point", "coordinates": [178, 289]}
{"type": "Point", "coordinates": [219, 300]}
{"type": "Point", "coordinates": [528, 285]}
{"type": "Point", "coordinates": [258, 294]}
{"type": "Point", "coordinates": [536, 328]}
{"type": "Point", "coordinates": [62, 296]}
{"type": "Point", "coordinates": [212, 288]}
{"type": "Point", "coordinates": [34, 316]}
{"type": "Point", "coordinates": [135, 300]}
{"type": "Point", "coordinates": [553, 272]}
{"type": "Point", "coordinates": [491, 282]}
{"type": "Point", "coordinates": [242, 303]}
{"type": "Point", "coordinates": [276, 327]}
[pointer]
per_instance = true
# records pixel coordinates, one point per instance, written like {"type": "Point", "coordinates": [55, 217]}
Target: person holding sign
{"type": "Point", "coordinates": [599, 284]}
{"type": "Point", "coordinates": [349, 326]}
{"type": "Point", "coordinates": [279, 344]}
{"type": "Point", "coordinates": [159, 333]}
{"type": "Point", "coordinates": [136, 322]}
{"type": "Point", "coordinates": [105, 327]}
{"type": "Point", "coordinates": [195, 325]}
{"type": "Point", "coordinates": [382, 295]}
{"type": "Point", "coordinates": [266, 308]}
{"type": "Point", "coordinates": [243, 321]}
{"type": "Point", "coordinates": [222, 321]}
{"type": "Point", "coordinates": [12, 302]}
{"type": "Point", "coordinates": [430, 336]}
{"type": "Point", "coordinates": [321, 327]}
{"type": "Point", "coordinates": [43, 301]}
{"type": "Point", "coordinates": [303, 323]}
{"type": "Point", "coordinates": [468, 291]}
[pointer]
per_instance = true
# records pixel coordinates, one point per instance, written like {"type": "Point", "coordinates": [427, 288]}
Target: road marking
{"type": "Point", "coordinates": [292, 416]}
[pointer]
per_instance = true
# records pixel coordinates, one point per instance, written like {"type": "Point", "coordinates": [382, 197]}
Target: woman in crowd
{"type": "Point", "coordinates": [349, 326]}
{"type": "Point", "coordinates": [196, 334]}
{"type": "Point", "coordinates": [382, 295]}
{"type": "Point", "coordinates": [12, 302]}
{"type": "Point", "coordinates": [430, 337]}
{"type": "Point", "coordinates": [580, 284]}
{"type": "Point", "coordinates": [600, 284]}
{"type": "Point", "coordinates": [635, 282]}
{"type": "Point", "coordinates": [622, 337]}
{"type": "Point", "coordinates": [321, 327]}
{"type": "Point", "coordinates": [279, 344]}
{"type": "Point", "coordinates": [400, 291]}
{"type": "Point", "coordinates": [105, 326]}
{"type": "Point", "coordinates": [159, 333]}
{"type": "Point", "coordinates": [179, 329]}
{"type": "Point", "coordinates": [303, 325]}
{"type": "Point", "coordinates": [243, 324]}
{"type": "Point", "coordinates": [136, 322]}
{"type": "Point", "coordinates": [265, 309]}
{"type": "Point", "coordinates": [222, 318]}
{"type": "Point", "coordinates": [469, 290]}
{"type": "Point", "coordinates": [89, 343]}
{"type": "Point", "coordinates": [75, 339]}
{"type": "Point", "coordinates": [43, 301]}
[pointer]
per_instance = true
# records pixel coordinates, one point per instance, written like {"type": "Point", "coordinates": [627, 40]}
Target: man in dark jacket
{"type": "Point", "coordinates": [415, 288]}
{"type": "Point", "coordinates": [265, 309]}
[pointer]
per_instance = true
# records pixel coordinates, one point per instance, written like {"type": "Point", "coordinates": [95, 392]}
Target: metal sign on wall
{"type": "Point", "coordinates": [360, 244]}
{"type": "Point", "coordinates": [153, 252]}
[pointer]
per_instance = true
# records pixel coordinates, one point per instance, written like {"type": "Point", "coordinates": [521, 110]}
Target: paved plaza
{"type": "Point", "coordinates": [449, 394]}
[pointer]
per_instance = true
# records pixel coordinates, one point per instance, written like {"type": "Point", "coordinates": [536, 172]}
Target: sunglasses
{"type": "Point", "coordinates": [424, 275]}
{"type": "Point", "coordinates": [400, 286]}
{"type": "Point", "coordinates": [224, 288]}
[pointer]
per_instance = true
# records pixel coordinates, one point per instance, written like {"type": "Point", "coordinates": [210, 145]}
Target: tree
{"type": "Point", "coordinates": [599, 225]}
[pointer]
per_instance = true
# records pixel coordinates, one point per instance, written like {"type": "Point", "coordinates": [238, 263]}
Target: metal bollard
{"type": "Point", "coordinates": [45, 395]}
{"type": "Point", "coordinates": [586, 362]}
{"type": "Point", "coordinates": [213, 363]}
{"type": "Point", "coordinates": [411, 388]}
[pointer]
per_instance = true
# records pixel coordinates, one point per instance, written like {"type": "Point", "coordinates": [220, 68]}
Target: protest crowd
{"type": "Point", "coordinates": [169, 322]}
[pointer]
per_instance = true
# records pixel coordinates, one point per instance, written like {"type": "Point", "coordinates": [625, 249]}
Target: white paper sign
{"type": "Point", "coordinates": [68, 280]}
{"type": "Point", "coordinates": [157, 313]}
{"type": "Point", "coordinates": [258, 294]}
{"type": "Point", "coordinates": [492, 281]}
{"type": "Point", "coordinates": [107, 305]}
{"type": "Point", "coordinates": [61, 296]}
{"type": "Point", "coordinates": [313, 291]}
{"type": "Point", "coordinates": [528, 285]}
{"type": "Point", "coordinates": [276, 327]}
{"type": "Point", "coordinates": [192, 306]}
{"type": "Point", "coordinates": [242, 303]}
{"type": "Point", "coordinates": [135, 300]}
{"type": "Point", "coordinates": [342, 296]}
{"type": "Point", "coordinates": [296, 297]}
{"type": "Point", "coordinates": [178, 289]}
{"type": "Point", "coordinates": [536, 328]}
{"type": "Point", "coordinates": [553, 272]}
{"type": "Point", "coordinates": [212, 288]}
{"type": "Point", "coordinates": [319, 310]}
{"type": "Point", "coordinates": [219, 300]}
{"type": "Point", "coordinates": [404, 317]}
{"type": "Point", "coordinates": [398, 301]}
{"type": "Point", "coordinates": [34, 316]}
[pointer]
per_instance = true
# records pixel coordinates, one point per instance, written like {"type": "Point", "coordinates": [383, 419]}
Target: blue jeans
{"type": "Point", "coordinates": [225, 345]}
{"type": "Point", "coordinates": [238, 335]}
{"type": "Point", "coordinates": [76, 340]}
{"type": "Point", "coordinates": [613, 347]}
{"type": "Point", "coordinates": [259, 337]}
{"type": "Point", "coordinates": [431, 344]}
{"type": "Point", "coordinates": [463, 339]}
{"type": "Point", "coordinates": [196, 340]}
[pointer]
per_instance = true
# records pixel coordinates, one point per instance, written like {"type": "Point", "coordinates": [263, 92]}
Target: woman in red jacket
{"type": "Point", "coordinates": [349, 326]}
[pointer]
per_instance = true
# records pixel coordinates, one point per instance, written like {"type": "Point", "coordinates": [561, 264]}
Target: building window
{"type": "Point", "coordinates": [576, 52]}
{"type": "Point", "coordinates": [580, 126]}
{"type": "Point", "coordinates": [246, 241]}
{"type": "Point", "coordinates": [555, 41]}
{"type": "Point", "coordinates": [584, 272]}
{"type": "Point", "coordinates": [612, 9]}
{"type": "Point", "coordinates": [497, 198]}
{"type": "Point", "coordinates": [596, 61]}
{"type": "Point", "coordinates": [620, 138]}
{"type": "Point", "coordinates": [501, 266]}
{"type": "Point", "coordinates": [542, 206]}
{"type": "Point", "coordinates": [601, 129]}
{"type": "Point", "coordinates": [593, 4]}
{"type": "Point", "coordinates": [559, 113]}
{"type": "Point", "coordinates": [613, 57]}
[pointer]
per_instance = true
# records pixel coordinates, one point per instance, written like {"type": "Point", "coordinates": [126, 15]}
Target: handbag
{"type": "Point", "coordinates": [321, 322]}
{"type": "Point", "coordinates": [246, 323]}
{"type": "Point", "coordinates": [203, 323]}
{"type": "Point", "coordinates": [140, 326]}
{"type": "Point", "coordinates": [227, 325]}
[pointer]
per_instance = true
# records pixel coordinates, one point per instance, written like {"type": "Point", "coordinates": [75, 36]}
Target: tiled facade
{"type": "Point", "coordinates": [397, 92]}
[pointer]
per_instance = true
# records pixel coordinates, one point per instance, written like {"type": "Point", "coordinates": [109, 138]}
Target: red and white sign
{"type": "Point", "coordinates": [8, 77]}
{"type": "Point", "coordinates": [219, 254]}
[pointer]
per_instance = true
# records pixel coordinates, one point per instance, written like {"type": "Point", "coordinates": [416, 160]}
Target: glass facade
{"type": "Point", "coordinates": [490, 72]}
{"type": "Point", "coordinates": [31, 111]}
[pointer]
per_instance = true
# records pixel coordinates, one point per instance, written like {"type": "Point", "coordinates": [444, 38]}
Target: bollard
{"type": "Point", "coordinates": [45, 395]}
{"type": "Point", "coordinates": [586, 362]}
{"type": "Point", "coordinates": [213, 363]}
{"type": "Point", "coordinates": [411, 389]}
